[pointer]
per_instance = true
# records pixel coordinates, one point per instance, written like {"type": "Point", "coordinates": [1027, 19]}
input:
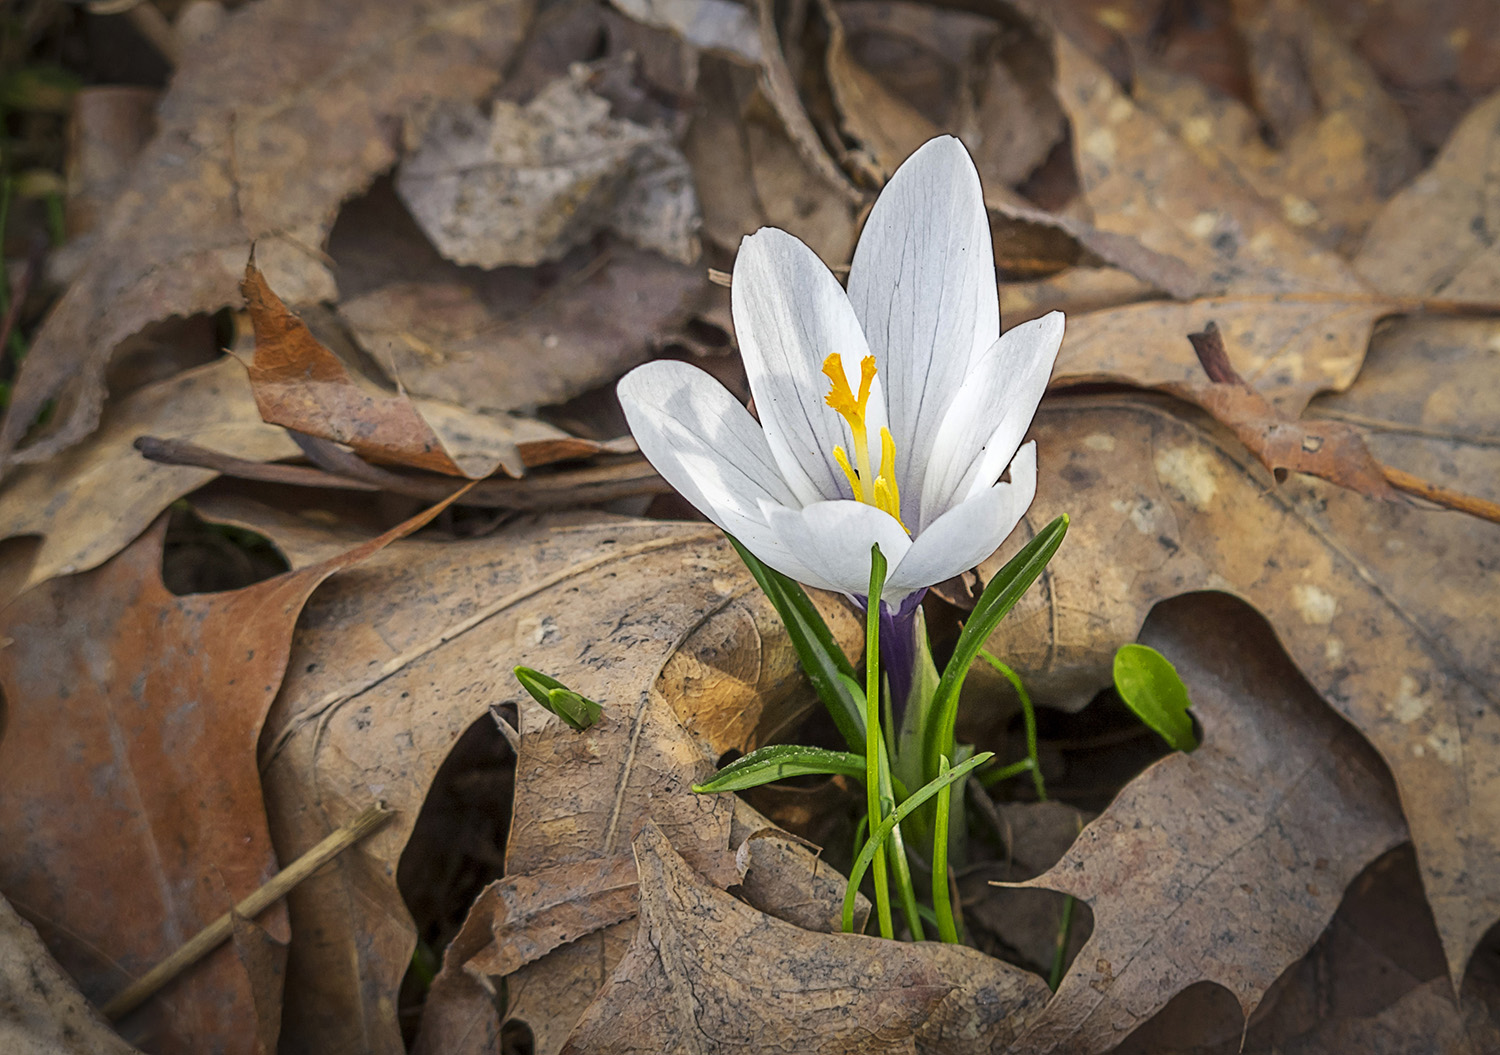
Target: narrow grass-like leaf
{"type": "Point", "coordinates": [942, 901]}
{"type": "Point", "coordinates": [577, 710]}
{"type": "Point", "coordinates": [917, 799]}
{"type": "Point", "coordinates": [821, 657]}
{"type": "Point", "coordinates": [874, 743]}
{"type": "Point", "coordinates": [1149, 685]}
{"type": "Point", "coordinates": [778, 761]}
{"type": "Point", "coordinates": [999, 597]}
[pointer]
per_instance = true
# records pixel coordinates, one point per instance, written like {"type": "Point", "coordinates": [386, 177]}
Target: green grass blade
{"type": "Point", "coordinates": [877, 838]}
{"type": "Point", "coordinates": [779, 761]}
{"type": "Point", "coordinates": [999, 597]}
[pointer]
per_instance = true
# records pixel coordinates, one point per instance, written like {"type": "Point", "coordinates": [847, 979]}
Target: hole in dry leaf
{"type": "Point", "coordinates": [204, 557]}
{"type": "Point", "coordinates": [1204, 1018]}
{"type": "Point", "coordinates": [457, 847]}
{"type": "Point", "coordinates": [516, 1038]}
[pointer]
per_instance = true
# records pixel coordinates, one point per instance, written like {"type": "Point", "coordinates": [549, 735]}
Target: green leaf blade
{"type": "Point", "coordinates": [999, 597]}
{"type": "Point", "coordinates": [779, 761]}
{"type": "Point", "coordinates": [1150, 686]}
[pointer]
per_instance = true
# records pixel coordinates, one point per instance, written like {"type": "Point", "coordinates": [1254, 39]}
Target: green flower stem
{"type": "Point", "coordinates": [874, 748]}
{"type": "Point", "coordinates": [941, 900]}
{"type": "Point", "coordinates": [1064, 932]}
{"type": "Point", "coordinates": [1028, 713]}
{"type": "Point", "coordinates": [879, 835]}
{"type": "Point", "coordinates": [897, 850]}
{"type": "Point", "coordinates": [997, 776]}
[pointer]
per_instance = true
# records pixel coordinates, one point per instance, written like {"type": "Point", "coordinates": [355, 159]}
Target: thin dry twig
{"type": "Point", "coordinates": [217, 932]}
{"type": "Point", "coordinates": [625, 478]}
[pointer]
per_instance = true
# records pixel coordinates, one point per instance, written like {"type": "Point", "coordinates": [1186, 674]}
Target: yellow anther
{"type": "Point", "coordinates": [842, 457]}
{"type": "Point", "coordinates": [887, 492]}
{"type": "Point", "coordinates": [880, 490]}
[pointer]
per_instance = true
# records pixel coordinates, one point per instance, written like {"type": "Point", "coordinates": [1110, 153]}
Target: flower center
{"type": "Point", "coordinates": [875, 489]}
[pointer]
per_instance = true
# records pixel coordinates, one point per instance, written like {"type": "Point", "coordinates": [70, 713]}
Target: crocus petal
{"type": "Point", "coordinates": [707, 446]}
{"type": "Point", "coordinates": [986, 420]}
{"type": "Point", "coordinates": [790, 313]}
{"type": "Point", "coordinates": [923, 287]}
{"type": "Point", "coordinates": [969, 532]}
{"type": "Point", "coordinates": [834, 538]}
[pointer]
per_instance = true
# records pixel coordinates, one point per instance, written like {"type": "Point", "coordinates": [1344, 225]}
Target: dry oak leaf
{"type": "Point", "coordinates": [85, 504]}
{"type": "Point", "coordinates": [1163, 507]}
{"type": "Point", "coordinates": [153, 703]}
{"type": "Point", "coordinates": [750, 175]}
{"type": "Point", "coordinates": [505, 340]}
{"type": "Point", "coordinates": [1227, 863]}
{"type": "Point", "coordinates": [252, 151]}
{"type": "Point", "coordinates": [1331, 450]}
{"type": "Point", "coordinates": [531, 182]}
{"type": "Point", "coordinates": [1344, 144]}
{"type": "Point", "coordinates": [1437, 237]}
{"type": "Point", "coordinates": [300, 384]}
{"type": "Point", "coordinates": [41, 1010]}
{"type": "Point", "coordinates": [517, 919]}
{"type": "Point", "coordinates": [392, 664]}
{"type": "Point", "coordinates": [1298, 317]}
{"type": "Point", "coordinates": [708, 973]}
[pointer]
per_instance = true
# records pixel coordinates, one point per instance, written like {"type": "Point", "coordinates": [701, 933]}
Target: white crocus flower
{"type": "Point", "coordinates": [887, 413]}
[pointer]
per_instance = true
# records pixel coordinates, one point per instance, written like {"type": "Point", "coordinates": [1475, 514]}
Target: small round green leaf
{"type": "Point", "coordinates": [1149, 685]}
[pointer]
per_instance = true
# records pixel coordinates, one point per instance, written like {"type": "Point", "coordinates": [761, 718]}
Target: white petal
{"type": "Point", "coordinates": [707, 446]}
{"type": "Point", "coordinates": [969, 532]}
{"type": "Point", "coordinates": [790, 313]}
{"type": "Point", "coordinates": [923, 286]}
{"type": "Point", "coordinates": [990, 414]}
{"type": "Point", "coordinates": [834, 539]}
{"type": "Point", "coordinates": [700, 439]}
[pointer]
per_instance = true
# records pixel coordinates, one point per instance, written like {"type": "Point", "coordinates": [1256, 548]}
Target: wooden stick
{"type": "Point", "coordinates": [217, 932]}
{"type": "Point", "coordinates": [1443, 496]}
{"type": "Point", "coordinates": [566, 489]}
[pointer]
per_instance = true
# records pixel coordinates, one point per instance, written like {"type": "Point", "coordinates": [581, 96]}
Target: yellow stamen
{"type": "Point", "coordinates": [882, 492]}
{"type": "Point", "coordinates": [842, 457]}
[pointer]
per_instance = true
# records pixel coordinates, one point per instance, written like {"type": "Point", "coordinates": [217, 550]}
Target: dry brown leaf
{"type": "Point", "coordinates": [1024, 923]}
{"type": "Point", "coordinates": [302, 385]}
{"type": "Point", "coordinates": [1298, 317]}
{"type": "Point", "coordinates": [1437, 238]}
{"type": "Point", "coordinates": [786, 879]}
{"type": "Point", "coordinates": [1162, 507]}
{"type": "Point", "coordinates": [107, 131]}
{"type": "Point", "coordinates": [1438, 55]}
{"type": "Point", "coordinates": [518, 919]}
{"type": "Point", "coordinates": [1141, 181]}
{"type": "Point", "coordinates": [531, 182]}
{"type": "Point", "coordinates": [391, 665]}
{"type": "Point", "coordinates": [1344, 143]}
{"type": "Point", "coordinates": [1227, 863]}
{"type": "Point", "coordinates": [1330, 450]}
{"type": "Point", "coordinates": [506, 340]}
{"type": "Point", "coordinates": [1076, 291]}
{"type": "Point", "coordinates": [697, 979]}
{"type": "Point", "coordinates": [749, 174]}
{"type": "Point", "coordinates": [250, 151]}
{"type": "Point", "coordinates": [44, 1012]}
{"type": "Point", "coordinates": [721, 26]}
{"type": "Point", "coordinates": [888, 126]}
{"type": "Point", "coordinates": [1378, 964]}
{"type": "Point", "coordinates": [1290, 347]}
{"type": "Point", "coordinates": [102, 694]}
{"type": "Point", "coordinates": [780, 89]}
{"type": "Point", "coordinates": [88, 503]}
